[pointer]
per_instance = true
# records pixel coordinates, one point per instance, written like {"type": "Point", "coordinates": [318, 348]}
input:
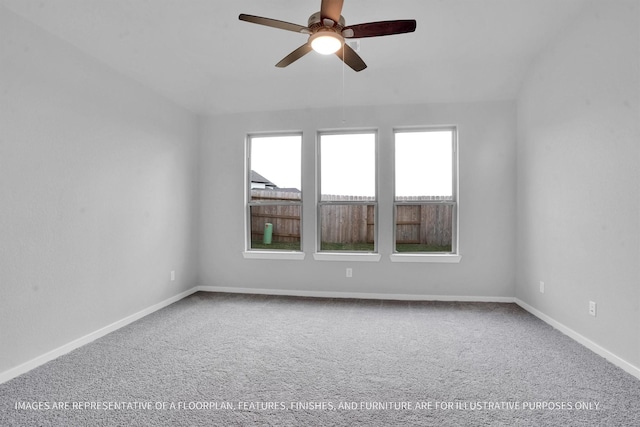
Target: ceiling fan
{"type": "Point", "coordinates": [327, 31]}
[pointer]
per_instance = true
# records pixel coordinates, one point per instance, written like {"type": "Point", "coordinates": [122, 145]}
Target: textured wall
{"type": "Point", "coordinates": [578, 193]}
{"type": "Point", "coordinates": [97, 194]}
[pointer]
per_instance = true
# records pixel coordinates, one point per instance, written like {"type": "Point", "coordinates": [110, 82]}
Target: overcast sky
{"type": "Point", "coordinates": [423, 163]}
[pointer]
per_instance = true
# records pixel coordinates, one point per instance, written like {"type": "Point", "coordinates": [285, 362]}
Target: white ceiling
{"type": "Point", "coordinates": [198, 54]}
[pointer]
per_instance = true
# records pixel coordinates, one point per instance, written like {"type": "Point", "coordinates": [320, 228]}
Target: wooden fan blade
{"type": "Point", "coordinates": [351, 58]}
{"type": "Point", "coordinates": [295, 55]}
{"type": "Point", "coordinates": [382, 28]}
{"type": "Point", "coordinates": [331, 9]}
{"type": "Point", "coordinates": [273, 23]}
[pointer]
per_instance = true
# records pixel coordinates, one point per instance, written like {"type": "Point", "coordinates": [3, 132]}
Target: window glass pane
{"type": "Point", "coordinates": [276, 167]}
{"type": "Point", "coordinates": [347, 227]}
{"type": "Point", "coordinates": [348, 167]}
{"type": "Point", "coordinates": [275, 227]}
{"type": "Point", "coordinates": [424, 165]}
{"type": "Point", "coordinates": [424, 228]}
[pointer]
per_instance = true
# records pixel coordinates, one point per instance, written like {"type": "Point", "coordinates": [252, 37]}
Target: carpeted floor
{"type": "Point", "coordinates": [224, 359]}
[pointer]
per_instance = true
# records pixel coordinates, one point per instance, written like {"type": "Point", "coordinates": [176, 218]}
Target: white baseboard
{"type": "Point", "coordinates": [41, 360]}
{"type": "Point", "coordinates": [619, 362]}
{"type": "Point", "coordinates": [357, 295]}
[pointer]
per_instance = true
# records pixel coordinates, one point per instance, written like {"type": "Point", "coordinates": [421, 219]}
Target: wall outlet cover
{"type": "Point", "coordinates": [592, 308]}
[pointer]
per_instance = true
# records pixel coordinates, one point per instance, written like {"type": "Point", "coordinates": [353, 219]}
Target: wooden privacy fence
{"type": "Point", "coordinates": [347, 223]}
{"type": "Point", "coordinates": [285, 218]}
{"type": "Point", "coordinates": [429, 224]}
{"type": "Point", "coordinates": [424, 224]}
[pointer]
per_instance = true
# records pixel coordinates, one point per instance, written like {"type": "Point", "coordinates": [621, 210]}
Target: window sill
{"type": "Point", "coordinates": [285, 255]}
{"type": "Point", "coordinates": [339, 256]}
{"type": "Point", "coordinates": [434, 258]}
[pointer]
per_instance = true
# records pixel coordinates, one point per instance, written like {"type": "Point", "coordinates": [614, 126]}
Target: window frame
{"type": "Point", "coordinates": [261, 253]}
{"type": "Point", "coordinates": [444, 257]}
{"type": "Point", "coordinates": [325, 255]}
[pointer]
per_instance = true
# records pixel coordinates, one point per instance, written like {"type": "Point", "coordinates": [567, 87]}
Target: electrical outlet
{"type": "Point", "coordinates": [173, 275]}
{"type": "Point", "coordinates": [541, 287]}
{"type": "Point", "coordinates": [349, 272]}
{"type": "Point", "coordinates": [592, 308]}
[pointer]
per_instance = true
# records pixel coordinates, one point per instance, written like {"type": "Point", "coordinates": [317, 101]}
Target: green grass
{"type": "Point", "coordinates": [281, 246]}
{"type": "Point", "coordinates": [352, 247]}
{"type": "Point", "coordinates": [369, 247]}
{"type": "Point", "coordinates": [416, 247]}
{"type": "Point", "coordinates": [347, 247]}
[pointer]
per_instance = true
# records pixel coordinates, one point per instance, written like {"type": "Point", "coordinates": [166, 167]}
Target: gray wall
{"type": "Point", "coordinates": [487, 204]}
{"type": "Point", "coordinates": [100, 200]}
{"type": "Point", "coordinates": [578, 175]}
{"type": "Point", "coordinates": [97, 190]}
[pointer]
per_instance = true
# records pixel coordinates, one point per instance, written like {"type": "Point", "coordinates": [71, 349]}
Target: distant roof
{"type": "Point", "coordinates": [256, 177]}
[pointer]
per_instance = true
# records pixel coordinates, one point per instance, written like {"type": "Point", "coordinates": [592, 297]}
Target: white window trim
{"type": "Point", "coordinates": [275, 254]}
{"type": "Point", "coordinates": [426, 257]}
{"type": "Point", "coordinates": [347, 256]}
{"type": "Point", "coordinates": [320, 255]}
{"type": "Point", "coordinates": [395, 257]}
{"type": "Point", "coordinates": [430, 257]}
{"type": "Point", "coordinates": [284, 255]}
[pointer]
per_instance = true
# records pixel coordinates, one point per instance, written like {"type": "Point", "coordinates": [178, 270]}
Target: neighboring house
{"type": "Point", "coordinates": [259, 182]}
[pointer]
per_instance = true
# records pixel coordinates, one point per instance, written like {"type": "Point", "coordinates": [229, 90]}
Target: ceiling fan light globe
{"type": "Point", "coordinates": [326, 42]}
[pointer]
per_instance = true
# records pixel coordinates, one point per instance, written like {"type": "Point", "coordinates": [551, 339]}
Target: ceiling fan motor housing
{"type": "Point", "coordinates": [316, 23]}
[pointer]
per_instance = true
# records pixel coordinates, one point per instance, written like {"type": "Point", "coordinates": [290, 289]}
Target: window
{"type": "Point", "coordinates": [274, 207]}
{"type": "Point", "coordinates": [347, 186]}
{"type": "Point", "coordinates": [425, 200]}
{"type": "Point", "coordinates": [420, 204]}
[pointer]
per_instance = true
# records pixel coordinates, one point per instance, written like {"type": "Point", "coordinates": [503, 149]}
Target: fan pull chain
{"type": "Point", "coordinates": [344, 120]}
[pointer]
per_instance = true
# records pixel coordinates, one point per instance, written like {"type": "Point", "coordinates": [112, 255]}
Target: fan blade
{"type": "Point", "coordinates": [331, 9]}
{"type": "Point", "coordinates": [274, 23]}
{"type": "Point", "coordinates": [351, 58]}
{"type": "Point", "coordinates": [382, 28]}
{"type": "Point", "coordinates": [295, 55]}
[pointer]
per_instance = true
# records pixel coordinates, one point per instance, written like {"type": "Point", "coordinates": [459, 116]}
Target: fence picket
{"type": "Point", "coordinates": [352, 223]}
